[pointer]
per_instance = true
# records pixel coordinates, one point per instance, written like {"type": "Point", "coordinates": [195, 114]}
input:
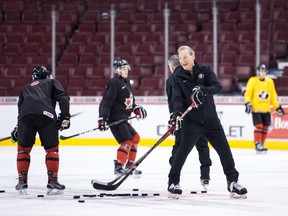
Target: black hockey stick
{"type": "Point", "coordinates": [113, 185]}
{"type": "Point", "coordinates": [5, 138]}
{"type": "Point", "coordinates": [91, 130]}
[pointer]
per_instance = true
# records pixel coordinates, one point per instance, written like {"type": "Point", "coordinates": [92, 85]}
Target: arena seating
{"type": "Point", "coordinates": [83, 40]}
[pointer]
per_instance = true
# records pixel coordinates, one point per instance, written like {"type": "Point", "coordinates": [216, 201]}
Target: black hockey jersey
{"type": "Point", "coordinates": [40, 97]}
{"type": "Point", "coordinates": [118, 100]}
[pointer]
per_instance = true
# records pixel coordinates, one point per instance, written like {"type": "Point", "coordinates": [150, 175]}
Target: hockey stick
{"type": "Point", "coordinates": [5, 138]}
{"type": "Point", "coordinates": [88, 131]}
{"type": "Point", "coordinates": [9, 137]}
{"type": "Point", "coordinates": [113, 185]}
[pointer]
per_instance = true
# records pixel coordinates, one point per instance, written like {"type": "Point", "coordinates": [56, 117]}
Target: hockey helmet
{"type": "Point", "coordinates": [262, 67]}
{"type": "Point", "coordinates": [40, 72]}
{"type": "Point", "coordinates": [118, 64]}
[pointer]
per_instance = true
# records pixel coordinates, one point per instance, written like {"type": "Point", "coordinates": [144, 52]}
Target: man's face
{"type": "Point", "coordinates": [186, 60]}
{"type": "Point", "coordinates": [262, 74]}
{"type": "Point", "coordinates": [124, 70]}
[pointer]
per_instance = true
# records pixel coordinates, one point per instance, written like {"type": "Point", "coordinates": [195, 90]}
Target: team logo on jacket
{"type": "Point", "coordinates": [34, 83]}
{"type": "Point", "coordinates": [129, 102]}
{"type": "Point", "coordinates": [263, 95]}
{"type": "Point", "coordinates": [200, 76]}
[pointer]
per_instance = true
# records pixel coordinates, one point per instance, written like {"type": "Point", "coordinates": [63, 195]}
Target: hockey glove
{"type": "Point", "coordinates": [14, 136]}
{"type": "Point", "coordinates": [198, 95]}
{"type": "Point", "coordinates": [102, 124]}
{"type": "Point", "coordinates": [175, 121]}
{"type": "Point", "coordinates": [248, 107]}
{"type": "Point", "coordinates": [63, 122]}
{"type": "Point", "coordinates": [140, 112]}
{"type": "Point", "coordinates": [280, 111]}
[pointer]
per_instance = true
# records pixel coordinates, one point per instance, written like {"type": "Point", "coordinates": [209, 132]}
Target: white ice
{"type": "Point", "coordinates": [265, 176]}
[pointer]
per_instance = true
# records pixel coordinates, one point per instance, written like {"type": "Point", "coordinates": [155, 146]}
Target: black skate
{"type": "Point", "coordinates": [22, 183]}
{"type": "Point", "coordinates": [259, 147]}
{"type": "Point", "coordinates": [205, 183]}
{"type": "Point", "coordinates": [237, 191]}
{"type": "Point", "coordinates": [118, 170]}
{"type": "Point", "coordinates": [53, 186]}
{"type": "Point", "coordinates": [174, 191]}
{"type": "Point", "coordinates": [136, 173]}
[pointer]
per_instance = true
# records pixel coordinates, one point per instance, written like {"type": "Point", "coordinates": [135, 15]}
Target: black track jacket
{"type": "Point", "coordinates": [40, 97]}
{"type": "Point", "coordinates": [118, 101]}
{"type": "Point", "coordinates": [184, 82]}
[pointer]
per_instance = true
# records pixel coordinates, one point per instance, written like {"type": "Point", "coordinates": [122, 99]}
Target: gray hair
{"type": "Point", "coordinates": [189, 49]}
{"type": "Point", "coordinates": [174, 61]}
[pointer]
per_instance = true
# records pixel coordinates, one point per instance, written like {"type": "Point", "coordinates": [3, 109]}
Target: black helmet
{"type": "Point", "coordinates": [40, 72]}
{"type": "Point", "coordinates": [118, 64]}
{"type": "Point", "coordinates": [262, 67]}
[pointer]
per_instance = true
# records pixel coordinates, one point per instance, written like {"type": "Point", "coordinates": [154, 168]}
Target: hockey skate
{"type": "Point", "coordinates": [237, 191]}
{"type": "Point", "coordinates": [174, 191]}
{"type": "Point", "coordinates": [259, 147]}
{"type": "Point", "coordinates": [118, 169]}
{"type": "Point", "coordinates": [205, 183]}
{"type": "Point", "coordinates": [22, 184]}
{"type": "Point", "coordinates": [136, 173]}
{"type": "Point", "coordinates": [53, 186]}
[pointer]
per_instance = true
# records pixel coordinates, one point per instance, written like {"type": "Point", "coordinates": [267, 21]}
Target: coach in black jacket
{"type": "Point", "coordinates": [189, 80]}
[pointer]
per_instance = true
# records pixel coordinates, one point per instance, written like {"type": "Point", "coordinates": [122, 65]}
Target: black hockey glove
{"type": "Point", "coordinates": [14, 135]}
{"type": "Point", "coordinates": [280, 111]}
{"type": "Point", "coordinates": [175, 121]}
{"type": "Point", "coordinates": [63, 122]}
{"type": "Point", "coordinates": [248, 107]}
{"type": "Point", "coordinates": [102, 124]}
{"type": "Point", "coordinates": [198, 95]}
{"type": "Point", "coordinates": [140, 112]}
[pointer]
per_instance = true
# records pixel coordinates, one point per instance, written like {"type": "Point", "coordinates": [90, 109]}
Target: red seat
{"type": "Point", "coordinates": [69, 59]}
{"type": "Point", "coordinates": [243, 73]}
{"type": "Point", "coordinates": [77, 84]}
{"type": "Point", "coordinates": [30, 49]}
{"type": "Point", "coordinates": [12, 49]}
{"type": "Point", "coordinates": [20, 61]}
{"type": "Point", "coordinates": [228, 84]}
{"type": "Point", "coordinates": [97, 84]}
{"type": "Point", "coordinates": [141, 18]}
{"type": "Point", "coordinates": [41, 60]}
{"type": "Point", "coordinates": [123, 18]}
{"type": "Point", "coordinates": [88, 60]}
{"type": "Point", "coordinates": [150, 83]}
{"type": "Point", "coordinates": [5, 84]}
{"type": "Point", "coordinates": [226, 71]}
{"type": "Point", "coordinates": [13, 72]}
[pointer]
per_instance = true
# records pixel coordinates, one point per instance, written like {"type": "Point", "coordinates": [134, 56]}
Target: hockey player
{"type": "Point", "coordinates": [199, 82]}
{"type": "Point", "coordinates": [201, 145]}
{"type": "Point", "coordinates": [36, 113]}
{"type": "Point", "coordinates": [259, 96]}
{"type": "Point", "coordinates": [118, 103]}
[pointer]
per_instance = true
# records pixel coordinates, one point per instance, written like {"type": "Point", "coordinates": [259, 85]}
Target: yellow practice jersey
{"type": "Point", "coordinates": [261, 94]}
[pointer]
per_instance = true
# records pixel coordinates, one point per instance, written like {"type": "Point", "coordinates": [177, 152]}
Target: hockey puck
{"type": "Point", "coordinates": [81, 201]}
{"type": "Point", "coordinates": [76, 197]}
{"type": "Point", "coordinates": [40, 195]}
{"type": "Point", "coordinates": [2, 191]}
{"type": "Point", "coordinates": [203, 191]}
{"type": "Point", "coordinates": [156, 194]}
{"type": "Point", "coordinates": [144, 194]}
{"type": "Point", "coordinates": [135, 189]}
{"type": "Point", "coordinates": [193, 192]}
{"type": "Point", "coordinates": [134, 194]}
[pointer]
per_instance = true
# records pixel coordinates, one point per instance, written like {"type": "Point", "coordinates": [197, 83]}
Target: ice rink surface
{"type": "Point", "coordinates": [265, 177]}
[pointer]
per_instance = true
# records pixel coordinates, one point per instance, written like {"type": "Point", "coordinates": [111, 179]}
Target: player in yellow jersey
{"type": "Point", "coordinates": [259, 96]}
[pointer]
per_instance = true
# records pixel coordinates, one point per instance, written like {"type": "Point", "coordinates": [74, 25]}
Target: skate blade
{"type": "Point", "coordinates": [173, 196]}
{"type": "Point", "coordinates": [238, 196]}
{"type": "Point", "coordinates": [54, 192]}
{"type": "Point", "coordinates": [23, 191]}
{"type": "Point", "coordinates": [261, 152]}
{"type": "Point", "coordinates": [205, 187]}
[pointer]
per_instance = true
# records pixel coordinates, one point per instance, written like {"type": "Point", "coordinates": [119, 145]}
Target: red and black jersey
{"type": "Point", "coordinates": [118, 100]}
{"type": "Point", "coordinates": [40, 97]}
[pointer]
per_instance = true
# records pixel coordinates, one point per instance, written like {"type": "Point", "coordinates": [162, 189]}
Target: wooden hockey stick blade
{"type": "Point", "coordinates": [5, 138]}
{"type": "Point", "coordinates": [88, 131]}
{"type": "Point", "coordinates": [113, 185]}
